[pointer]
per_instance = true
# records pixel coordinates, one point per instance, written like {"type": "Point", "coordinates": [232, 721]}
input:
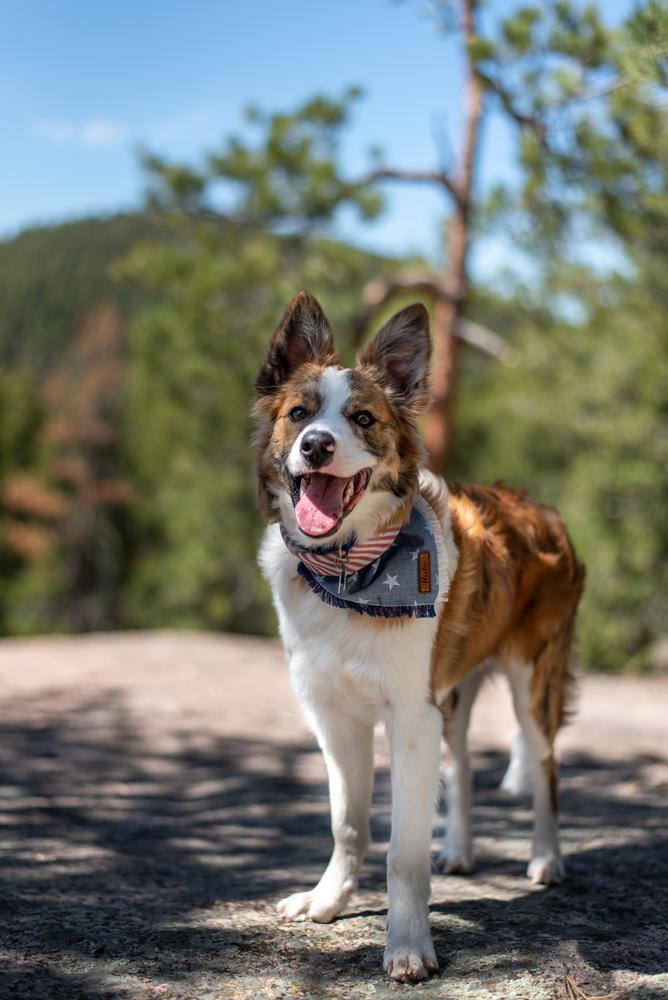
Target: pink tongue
{"type": "Point", "coordinates": [320, 507]}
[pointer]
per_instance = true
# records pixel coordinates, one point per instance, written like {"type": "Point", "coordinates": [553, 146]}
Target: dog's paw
{"type": "Point", "coordinates": [309, 906]}
{"type": "Point", "coordinates": [411, 962]}
{"type": "Point", "coordinates": [455, 862]}
{"type": "Point", "coordinates": [546, 870]}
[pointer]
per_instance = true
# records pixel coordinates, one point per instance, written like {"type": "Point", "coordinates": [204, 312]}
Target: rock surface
{"type": "Point", "coordinates": [160, 791]}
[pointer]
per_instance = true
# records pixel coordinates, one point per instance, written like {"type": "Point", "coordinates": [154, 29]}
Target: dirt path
{"type": "Point", "coordinates": [159, 792]}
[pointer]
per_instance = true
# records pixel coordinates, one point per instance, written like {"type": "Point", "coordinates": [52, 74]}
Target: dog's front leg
{"type": "Point", "coordinates": [415, 735]}
{"type": "Point", "coordinates": [347, 745]}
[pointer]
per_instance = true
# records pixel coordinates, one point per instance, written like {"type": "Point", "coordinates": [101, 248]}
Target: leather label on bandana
{"type": "Point", "coordinates": [424, 572]}
{"type": "Point", "coordinates": [395, 574]}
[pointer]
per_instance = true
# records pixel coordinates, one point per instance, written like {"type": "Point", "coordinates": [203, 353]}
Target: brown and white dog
{"type": "Point", "coordinates": [339, 461]}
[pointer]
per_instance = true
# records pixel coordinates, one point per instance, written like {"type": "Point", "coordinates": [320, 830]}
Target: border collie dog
{"type": "Point", "coordinates": [395, 595]}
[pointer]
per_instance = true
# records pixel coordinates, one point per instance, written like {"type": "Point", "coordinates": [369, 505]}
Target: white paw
{"type": "Point", "coordinates": [457, 861]}
{"type": "Point", "coordinates": [310, 906]}
{"type": "Point", "coordinates": [410, 962]}
{"type": "Point", "coordinates": [546, 870]}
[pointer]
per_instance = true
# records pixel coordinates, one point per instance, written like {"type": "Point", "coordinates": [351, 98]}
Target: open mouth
{"type": "Point", "coordinates": [322, 501]}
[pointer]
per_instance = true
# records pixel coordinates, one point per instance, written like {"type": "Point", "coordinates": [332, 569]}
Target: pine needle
{"type": "Point", "coordinates": [573, 992]}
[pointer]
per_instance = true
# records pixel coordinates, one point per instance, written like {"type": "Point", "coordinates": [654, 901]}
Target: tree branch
{"type": "Point", "coordinates": [383, 173]}
{"type": "Point", "coordinates": [378, 293]}
{"type": "Point", "coordinates": [509, 106]}
{"type": "Point", "coordinates": [526, 120]}
{"type": "Point", "coordinates": [486, 341]}
{"type": "Point", "coordinates": [595, 91]}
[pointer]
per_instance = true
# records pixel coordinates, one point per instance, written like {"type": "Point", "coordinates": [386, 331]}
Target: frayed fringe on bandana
{"type": "Point", "coordinates": [374, 610]}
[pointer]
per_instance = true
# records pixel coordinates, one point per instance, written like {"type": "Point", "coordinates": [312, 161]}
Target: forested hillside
{"type": "Point", "coordinates": [129, 348]}
{"type": "Point", "coordinates": [127, 494]}
{"type": "Point", "coordinates": [51, 276]}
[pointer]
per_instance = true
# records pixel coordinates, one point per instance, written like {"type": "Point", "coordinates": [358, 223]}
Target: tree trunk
{"type": "Point", "coordinates": [439, 424]}
{"type": "Point", "coordinates": [440, 419]}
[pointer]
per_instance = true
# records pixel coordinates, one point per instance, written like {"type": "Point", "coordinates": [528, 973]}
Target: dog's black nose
{"type": "Point", "coordinates": [317, 447]}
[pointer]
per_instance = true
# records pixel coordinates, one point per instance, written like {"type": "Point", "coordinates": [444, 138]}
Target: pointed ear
{"type": "Point", "coordinates": [400, 353]}
{"type": "Point", "coordinates": [302, 335]}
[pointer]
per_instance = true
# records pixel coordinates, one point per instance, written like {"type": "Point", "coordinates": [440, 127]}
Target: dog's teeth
{"type": "Point", "coordinates": [348, 492]}
{"type": "Point", "coordinates": [302, 485]}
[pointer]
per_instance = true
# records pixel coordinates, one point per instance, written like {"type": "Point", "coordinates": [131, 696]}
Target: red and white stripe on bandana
{"type": "Point", "coordinates": [359, 555]}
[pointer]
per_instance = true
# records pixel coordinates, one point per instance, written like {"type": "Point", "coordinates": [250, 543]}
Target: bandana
{"type": "Point", "coordinates": [403, 572]}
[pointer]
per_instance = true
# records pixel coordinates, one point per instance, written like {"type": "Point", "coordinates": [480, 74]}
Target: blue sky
{"type": "Point", "coordinates": [83, 84]}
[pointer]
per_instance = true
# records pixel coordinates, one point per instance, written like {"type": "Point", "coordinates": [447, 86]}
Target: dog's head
{"type": "Point", "coordinates": [339, 448]}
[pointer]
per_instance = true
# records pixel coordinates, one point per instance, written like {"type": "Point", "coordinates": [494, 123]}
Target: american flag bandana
{"type": "Point", "coordinates": [394, 574]}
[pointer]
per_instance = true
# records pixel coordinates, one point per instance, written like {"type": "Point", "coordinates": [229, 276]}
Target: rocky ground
{"type": "Point", "coordinates": [159, 792]}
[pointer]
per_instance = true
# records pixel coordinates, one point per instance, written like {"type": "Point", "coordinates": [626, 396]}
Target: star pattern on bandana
{"type": "Point", "coordinates": [370, 589]}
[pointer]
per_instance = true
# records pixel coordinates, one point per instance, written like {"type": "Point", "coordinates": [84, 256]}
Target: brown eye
{"type": "Point", "coordinates": [364, 418]}
{"type": "Point", "coordinates": [297, 414]}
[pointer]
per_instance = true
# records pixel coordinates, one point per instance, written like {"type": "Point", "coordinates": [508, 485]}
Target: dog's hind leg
{"type": "Point", "coordinates": [347, 745]}
{"type": "Point", "coordinates": [457, 854]}
{"type": "Point", "coordinates": [518, 779]}
{"type": "Point", "coordinates": [546, 866]}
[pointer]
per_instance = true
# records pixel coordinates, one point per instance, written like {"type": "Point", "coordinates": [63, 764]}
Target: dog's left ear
{"type": "Point", "coordinates": [303, 335]}
{"type": "Point", "coordinates": [400, 353]}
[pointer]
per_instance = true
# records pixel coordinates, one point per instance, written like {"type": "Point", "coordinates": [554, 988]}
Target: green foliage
{"type": "Point", "coordinates": [223, 279]}
{"type": "Point", "coordinates": [21, 417]}
{"type": "Point", "coordinates": [582, 420]}
{"type": "Point", "coordinates": [193, 360]}
{"type": "Point", "coordinates": [21, 422]}
{"type": "Point", "coordinates": [51, 277]}
{"type": "Point", "coordinates": [153, 523]}
{"type": "Point", "coordinates": [590, 106]}
{"type": "Point", "coordinates": [290, 174]}
{"type": "Point", "coordinates": [64, 505]}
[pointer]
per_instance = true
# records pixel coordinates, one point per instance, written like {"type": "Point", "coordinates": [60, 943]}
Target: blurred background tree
{"type": "Point", "coordinates": [154, 523]}
{"type": "Point", "coordinates": [66, 501]}
{"type": "Point", "coordinates": [587, 407]}
{"type": "Point", "coordinates": [221, 280]}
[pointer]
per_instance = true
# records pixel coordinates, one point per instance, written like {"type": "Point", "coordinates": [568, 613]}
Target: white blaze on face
{"type": "Point", "coordinates": [349, 454]}
{"type": "Point", "coordinates": [330, 493]}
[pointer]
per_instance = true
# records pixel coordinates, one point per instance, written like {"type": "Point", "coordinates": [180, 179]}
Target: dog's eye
{"type": "Point", "coordinates": [364, 418]}
{"type": "Point", "coordinates": [297, 413]}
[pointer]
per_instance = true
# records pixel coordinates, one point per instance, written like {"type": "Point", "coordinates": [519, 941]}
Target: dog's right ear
{"type": "Point", "coordinates": [399, 354]}
{"type": "Point", "coordinates": [302, 336]}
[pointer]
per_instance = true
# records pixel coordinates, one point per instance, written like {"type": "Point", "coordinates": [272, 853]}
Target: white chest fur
{"type": "Point", "coordinates": [364, 666]}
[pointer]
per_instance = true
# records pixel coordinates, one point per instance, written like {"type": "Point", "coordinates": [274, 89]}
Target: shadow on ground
{"type": "Point", "coordinates": [129, 862]}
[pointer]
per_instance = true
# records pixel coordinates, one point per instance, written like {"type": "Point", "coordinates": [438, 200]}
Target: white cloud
{"type": "Point", "coordinates": [92, 133]}
{"type": "Point", "coordinates": [102, 132]}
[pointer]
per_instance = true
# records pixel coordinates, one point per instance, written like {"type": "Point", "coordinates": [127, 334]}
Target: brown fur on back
{"type": "Point", "coordinates": [514, 595]}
